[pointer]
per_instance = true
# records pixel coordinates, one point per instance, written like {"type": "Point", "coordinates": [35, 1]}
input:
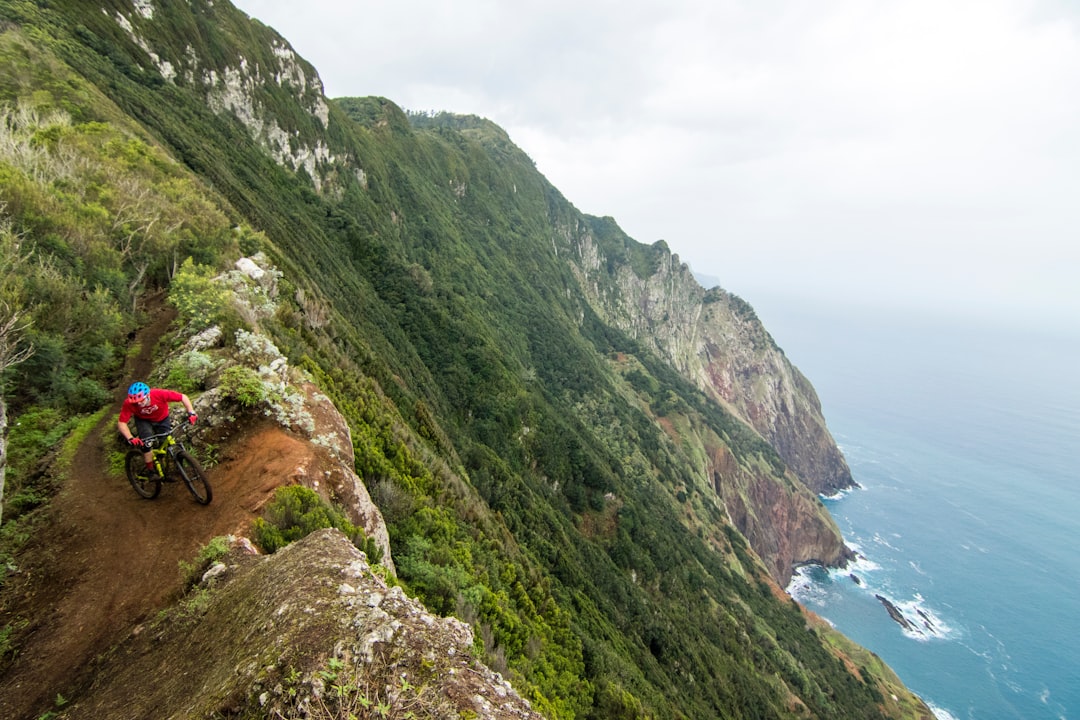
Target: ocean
{"type": "Point", "coordinates": [965, 441]}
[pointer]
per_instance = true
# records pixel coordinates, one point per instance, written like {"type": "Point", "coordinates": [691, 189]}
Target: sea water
{"type": "Point", "coordinates": [965, 441]}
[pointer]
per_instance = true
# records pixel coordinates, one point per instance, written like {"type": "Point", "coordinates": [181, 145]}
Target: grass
{"type": "Point", "coordinates": [74, 440]}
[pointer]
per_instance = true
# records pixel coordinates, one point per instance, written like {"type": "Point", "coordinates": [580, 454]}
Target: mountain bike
{"type": "Point", "coordinates": [171, 459]}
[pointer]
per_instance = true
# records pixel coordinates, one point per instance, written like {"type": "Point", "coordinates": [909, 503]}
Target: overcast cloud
{"type": "Point", "coordinates": [917, 154]}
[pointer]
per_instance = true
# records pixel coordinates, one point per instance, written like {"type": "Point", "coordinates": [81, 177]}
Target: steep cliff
{"type": "Point", "coordinates": [713, 338]}
{"type": "Point", "coordinates": [710, 338]}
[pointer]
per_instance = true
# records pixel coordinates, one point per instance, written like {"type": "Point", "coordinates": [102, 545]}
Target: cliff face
{"type": "Point", "coordinates": [714, 338]}
{"type": "Point", "coordinates": [738, 362]}
{"type": "Point", "coordinates": [785, 524]}
{"type": "Point", "coordinates": [311, 631]}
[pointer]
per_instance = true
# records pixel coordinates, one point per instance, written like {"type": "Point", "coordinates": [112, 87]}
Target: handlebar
{"type": "Point", "coordinates": [154, 440]}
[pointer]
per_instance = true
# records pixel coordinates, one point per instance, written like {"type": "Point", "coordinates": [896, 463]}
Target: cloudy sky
{"type": "Point", "coordinates": [922, 154]}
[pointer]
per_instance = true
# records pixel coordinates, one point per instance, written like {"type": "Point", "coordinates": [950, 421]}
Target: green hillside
{"type": "Point", "coordinates": [534, 465]}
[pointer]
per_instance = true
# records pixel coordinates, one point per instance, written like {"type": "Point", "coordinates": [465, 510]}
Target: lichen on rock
{"type": "Point", "coordinates": [311, 631]}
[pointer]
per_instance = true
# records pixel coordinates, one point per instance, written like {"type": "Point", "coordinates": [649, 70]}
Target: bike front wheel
{"type": "Point", "coordinates": [194, 477]}
{"type": "Point", "coordinates": [135, 467]}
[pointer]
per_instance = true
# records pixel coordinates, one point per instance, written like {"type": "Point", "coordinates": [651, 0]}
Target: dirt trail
{"type": "Point", "coordinates": [107, 560]}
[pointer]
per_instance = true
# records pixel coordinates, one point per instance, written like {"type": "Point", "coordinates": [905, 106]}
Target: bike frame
{"type": "Point", "coordinates": [163, 446]}
{"type": "Point", "coordinates": [170, 457]}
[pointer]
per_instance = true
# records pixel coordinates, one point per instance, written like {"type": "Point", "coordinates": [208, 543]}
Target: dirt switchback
{"type": "Point", "coordinates": [105, 559]}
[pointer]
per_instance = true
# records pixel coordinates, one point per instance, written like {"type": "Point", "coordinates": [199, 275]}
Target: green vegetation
{"type": "Point", "coordinates": [297, 511]}
{"type": "Point", "coordinates": [207, 556]}
{"type": "Point", "coordinates": [530, 486]}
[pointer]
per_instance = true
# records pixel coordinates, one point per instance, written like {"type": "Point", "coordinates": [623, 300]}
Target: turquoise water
{"type": "Point", "coordinates": [965, 442]}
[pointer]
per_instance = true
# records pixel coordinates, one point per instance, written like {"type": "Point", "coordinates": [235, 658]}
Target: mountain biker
{"type": "Point", "coordinates": [150, 408]}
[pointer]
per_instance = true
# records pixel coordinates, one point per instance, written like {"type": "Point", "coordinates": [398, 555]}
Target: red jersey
{"type": "Point", "coordinates": [155, 411]}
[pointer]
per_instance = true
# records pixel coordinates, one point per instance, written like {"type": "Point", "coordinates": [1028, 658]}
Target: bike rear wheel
{"type": "Point", "coordinates": [194, 477]}
{"type": "Point", "coordinates": [135, 467]}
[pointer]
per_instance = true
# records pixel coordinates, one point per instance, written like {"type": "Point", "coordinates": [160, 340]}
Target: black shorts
{"type": "Point", "coordinates": [147, 429]}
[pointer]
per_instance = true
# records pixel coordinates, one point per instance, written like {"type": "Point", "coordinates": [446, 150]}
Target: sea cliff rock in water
{"type": "Point", "coordinates": [895, 614]}
{"type": "Point", "coordinates": [311, 631]}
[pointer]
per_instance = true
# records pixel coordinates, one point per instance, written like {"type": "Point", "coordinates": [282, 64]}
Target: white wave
{"type": "Point", "coordinates": [804, 589]}
{"type": "Point", "coordinates": [882, 541]}
{"type": "Point", "coordinates": [924, 623]}
{"type": "Point", "coordinates": [861, 563]}
{"type": "Point", "coordinates": [940, 713]}
{"type": "Point", "coordinates": [798, 585]}
{"type": "Point", "coordinates": [920, 622]}
{"type": "Point", "coordinates": [839, 494]}
{"type": "Point", "coordinates": [916, 567]}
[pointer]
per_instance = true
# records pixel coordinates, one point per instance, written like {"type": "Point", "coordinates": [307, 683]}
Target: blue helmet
{"type": "Point", "coordinates": [138, 391]}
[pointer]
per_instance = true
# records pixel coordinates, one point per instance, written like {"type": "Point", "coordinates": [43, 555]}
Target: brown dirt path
{"type": "Point", "coordinates": [107, 559]}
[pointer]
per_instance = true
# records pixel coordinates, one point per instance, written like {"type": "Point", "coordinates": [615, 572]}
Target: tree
{"type": "Point", "coordinates": [13, 325]}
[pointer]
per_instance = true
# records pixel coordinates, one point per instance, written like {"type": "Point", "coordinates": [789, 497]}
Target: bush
{"type": "Point", "coordinates": [210, 553]}
{"type": "Point", "coordinates": [32, 436]}
{"type": "Point", "coordinates": [188, 373]}
{"type": "Point", "coordinates": [297, 511]}
{"type": "Point", "coordinates": [79, 394]}
{"type": "Point", "coordinates": [243, 385]}
{"type": "Point", "coordinates": [256, 349]}
{"type": "Point", "coordinates": [199, 301]}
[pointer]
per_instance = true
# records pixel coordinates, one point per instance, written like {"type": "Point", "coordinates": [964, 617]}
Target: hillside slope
{"type": "Point", "coordinates": [545, 472]}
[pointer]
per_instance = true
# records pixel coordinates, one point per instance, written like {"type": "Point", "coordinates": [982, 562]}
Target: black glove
{"type": "Point", "coordinates": [136, 442]}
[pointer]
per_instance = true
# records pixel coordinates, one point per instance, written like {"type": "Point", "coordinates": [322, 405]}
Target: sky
{"type": "Point", "coordinates": [921, 156]}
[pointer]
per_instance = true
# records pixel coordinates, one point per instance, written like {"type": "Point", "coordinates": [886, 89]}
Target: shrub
{"type": "Point", "coordinates": [208, 555]}
{"type": "Point", "coordinates": [188, 373]}
{"type": "Point", "coordinates": [32, 436]}
{"type": "Point", "coordinates": [199, 301]}
{"type": "Point", "coordinates": [256, 349]}
{"type": "Point", "coordinates": [297, 511]}
{"type": "Point", "coordinates": [243, 385]}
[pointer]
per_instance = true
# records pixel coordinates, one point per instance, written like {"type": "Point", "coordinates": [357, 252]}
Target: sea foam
{"type": "Point", "coordinates": [940, 713]}
{"type": "Point", "coordinates": [926, 623]}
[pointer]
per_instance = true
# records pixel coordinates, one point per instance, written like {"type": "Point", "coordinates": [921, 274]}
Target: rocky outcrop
{"type": "Point", "coordinates": [288, 397]}
{"type": "Point", "coordinates": [309, 632]}
{"type": "Point", "coordinates": [895, 614]}
{"type": "Point", "coordinates": [240, 86]}
{"type": "Point", "coordinates": [336, 478]}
